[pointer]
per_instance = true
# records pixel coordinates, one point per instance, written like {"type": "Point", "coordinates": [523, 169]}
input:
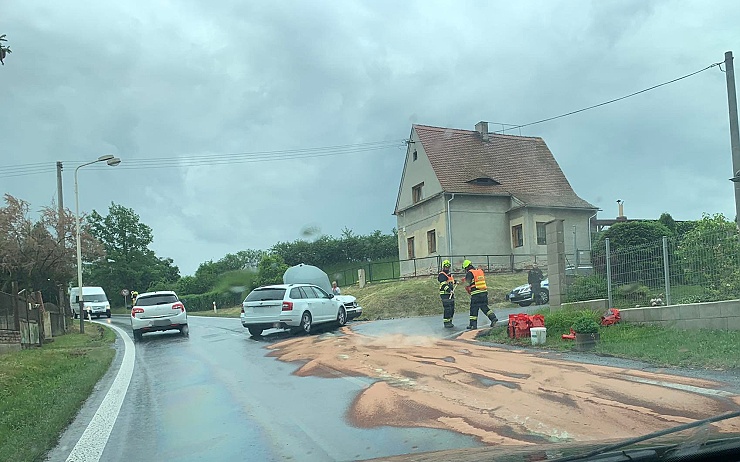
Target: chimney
{"type": "Point", "coordinates": [482, 129]}
{"type": "Point", "coordinates": [621, 216]}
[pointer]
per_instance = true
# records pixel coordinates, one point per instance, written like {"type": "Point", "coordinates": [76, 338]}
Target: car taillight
{"type": "Point", "coordinates": [136, 310]}
{"type": "Point", "coordinates": [178, 306]}
{"type": "Point", "coordinates": [242, 309]}
{"type": "Point", "coordinates": [287, 306]}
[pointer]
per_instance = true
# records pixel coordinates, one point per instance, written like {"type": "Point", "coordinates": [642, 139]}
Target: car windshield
{"type": "Point", "coordinates": [157, 299]}
{"type": "Point", "coordinates": [265, 295]}
{"type": "Point", "coordinates": [355, 230]}
{"type": "Point", "coordinates": [94, 298]}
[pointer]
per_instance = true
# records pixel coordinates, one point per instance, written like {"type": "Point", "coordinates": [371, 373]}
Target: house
{"type": "Point", "coordinates": [486, 197]}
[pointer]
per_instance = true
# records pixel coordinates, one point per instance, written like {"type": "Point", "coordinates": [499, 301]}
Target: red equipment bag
{"type": "Point", "coordinates": [611, 317]}
{"type": "Point", "coordinates": [519, 324]}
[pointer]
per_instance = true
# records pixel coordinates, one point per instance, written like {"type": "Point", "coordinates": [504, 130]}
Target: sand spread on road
{"type": "Point", "coordinates": [500, 396]}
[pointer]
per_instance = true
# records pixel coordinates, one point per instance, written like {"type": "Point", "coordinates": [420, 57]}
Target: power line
{"type": "Point", "coordinates": [216, 159]}
{"type": "Point", "coordinates": [514, 127]}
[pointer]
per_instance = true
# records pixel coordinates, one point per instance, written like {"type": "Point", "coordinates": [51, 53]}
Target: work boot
{"type": "Point", "coordinates": [449, 325]}
{"type": "Point", "coordinates": [472, 326]}
{"type": "Point", "coordinates": [493, 319]}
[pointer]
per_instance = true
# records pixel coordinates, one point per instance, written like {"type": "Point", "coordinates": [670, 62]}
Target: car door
{"type": "Point", "coordinates": [324, 305]}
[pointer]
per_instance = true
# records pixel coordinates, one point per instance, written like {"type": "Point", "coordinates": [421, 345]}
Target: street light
{"type": "Point", "coordinates": [112, 161]}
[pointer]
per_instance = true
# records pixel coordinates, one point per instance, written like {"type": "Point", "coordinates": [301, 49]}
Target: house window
{"type": "Point", "coordinates": [517, 236]}
{"type": "Point", "coordinates": [431, 242]}
{"type": "Point", "coordinates": [541, 233]}
{"type": "Point", "coordinates": [416, 155]}
{"type": "Point", "coordinates": [410, 246]}
{"type": "Point", "coordinates": [416, 193]}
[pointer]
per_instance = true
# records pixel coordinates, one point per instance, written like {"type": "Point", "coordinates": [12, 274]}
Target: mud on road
{"type": "Point", "coordinates": [502, 396]}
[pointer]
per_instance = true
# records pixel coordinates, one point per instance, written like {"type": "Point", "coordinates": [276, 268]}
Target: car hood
{"type": "Point", "coordinates": [307, 274]}
{"type": "Point", "coordinates": [344, 299]}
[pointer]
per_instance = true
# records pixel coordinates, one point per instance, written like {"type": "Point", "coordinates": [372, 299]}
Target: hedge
{"type": "Point", "coordinates": [204, 302]}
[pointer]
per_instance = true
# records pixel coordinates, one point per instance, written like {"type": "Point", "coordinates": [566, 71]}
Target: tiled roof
{"type": "Point", "coordinates": [524, 166]}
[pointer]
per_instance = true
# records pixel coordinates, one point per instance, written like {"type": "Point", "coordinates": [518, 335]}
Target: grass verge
{"type": "Point", "coordinates": [420, 296]}
{"type": "Point", "coordinates": [41, 389]}
{"type": "Point", "coordinates": [707, 349]}
{"type": "Point", "coordinates": [232, 312]}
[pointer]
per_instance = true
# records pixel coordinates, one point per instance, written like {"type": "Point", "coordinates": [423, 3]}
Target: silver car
{"type": "Point", "coordinates": [158, 311]}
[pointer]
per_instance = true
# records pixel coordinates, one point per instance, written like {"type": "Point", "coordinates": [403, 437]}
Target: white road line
{"type": "Point", "coordinates": [679, 386]}
{"type": "Point", "coordinates": [93, 440]}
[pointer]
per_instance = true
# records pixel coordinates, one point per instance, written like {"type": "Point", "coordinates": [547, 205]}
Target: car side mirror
{"type": "Point", "coordinates": [331, 295]}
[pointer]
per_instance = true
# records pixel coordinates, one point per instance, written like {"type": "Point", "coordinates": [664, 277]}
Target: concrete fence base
{"type": "Point", "coordinates": [723, 315]}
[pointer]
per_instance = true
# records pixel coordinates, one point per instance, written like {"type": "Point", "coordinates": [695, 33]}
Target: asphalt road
{"type": "Point", "coordinates": [216, 395]}
{"type": "Point", "coordinates": [375, 389]}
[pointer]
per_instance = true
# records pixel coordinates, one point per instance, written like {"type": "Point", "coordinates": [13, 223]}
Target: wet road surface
{"type": "Point", "coordinates": [376, 389]}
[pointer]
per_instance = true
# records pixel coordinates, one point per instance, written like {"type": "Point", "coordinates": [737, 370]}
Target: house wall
{"type": "Point", "coordinates": [417, 221]}
{"type": "Point", "coordinates": [577, 218]}
{"type": "Point", "coordinates": [480, 225]}
{"type": "Point", "coordinates": [415, 172]}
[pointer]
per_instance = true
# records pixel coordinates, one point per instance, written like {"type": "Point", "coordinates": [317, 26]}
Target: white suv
{"type": "Point", "coordinates": [158, 311]}
{"type": "Point", "coordinates": [290, 306]}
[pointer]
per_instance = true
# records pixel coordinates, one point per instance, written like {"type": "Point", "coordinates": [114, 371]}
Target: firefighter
{"type": "Point", "coordinates": [476, 287]}
{"type": "Point", "coordinates": [447, 293]}
{"type": "Point", "coordinates": [134, 296]}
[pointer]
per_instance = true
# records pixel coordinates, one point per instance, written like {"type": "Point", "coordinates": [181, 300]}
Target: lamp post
{"type": "Point", "coordinates": [112, 161]}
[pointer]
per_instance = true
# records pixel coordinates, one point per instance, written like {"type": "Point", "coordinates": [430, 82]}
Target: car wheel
{"type": "Point", "coordinates": [545, 296]}
{"type": "Point", "coordinates": [525, 303]}
{"type": "Point", "coordinates": [107, 313]}
{"type": "Point", "coordinates": [137, 335]}
{"type": "Point", "coordinates": [255, 331]}
{"type": "Point", "coordinates": [184, 330]}
{"type": "Point", "coordinates": [342, 316]}
{"type": "Point", "coordinates": [306, 322]}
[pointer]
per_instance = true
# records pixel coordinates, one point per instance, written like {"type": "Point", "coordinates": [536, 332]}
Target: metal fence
{"type": "Point", "coordinates": [686, 269]}
{"type": "Point", "coordinates": [578, 263]}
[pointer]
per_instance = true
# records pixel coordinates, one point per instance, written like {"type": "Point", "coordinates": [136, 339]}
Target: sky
{"type": "Point", "coordinates": [242, 124]}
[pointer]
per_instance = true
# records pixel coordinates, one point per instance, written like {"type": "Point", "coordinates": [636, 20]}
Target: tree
{"type": "Point", "coordinates": [4, 49]}
{"type": "Point", "coordinates": [271, 270]}
{"type": "Point", "coordinates": [709, 256]}
{"type": "Point", "coordinates": [130, 264]}
{"type": "Point", "coordinates": [636, 251]}
{"type": "Point", "coordinates": [31, 252]}
{"type": "Point", "coordinates": [667, 220]}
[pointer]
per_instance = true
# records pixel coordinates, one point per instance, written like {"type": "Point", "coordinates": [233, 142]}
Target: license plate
{"type": "Point", "coordinates": [161, 322]}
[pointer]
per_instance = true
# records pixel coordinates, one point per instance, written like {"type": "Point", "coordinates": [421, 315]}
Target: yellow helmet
{"type": "Point", "coordinates": [466, 263]}
{"type": "Point", "coordinates": [446, 263]}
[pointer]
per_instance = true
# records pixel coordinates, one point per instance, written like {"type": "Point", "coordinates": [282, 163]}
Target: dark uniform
{"type": "Point", "coordinates": [534, 278]}
{"type": "Point", "coordinates": [476, 287]}
{"type": "Point", "coordinates": [446, 288]}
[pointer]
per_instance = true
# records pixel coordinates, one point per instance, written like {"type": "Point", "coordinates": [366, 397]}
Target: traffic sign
{"type": "Point", "coordinates": [124, 292]}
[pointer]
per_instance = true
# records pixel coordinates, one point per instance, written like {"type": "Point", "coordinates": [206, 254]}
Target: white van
{"type": "Point", "coordinates": [94, 299]}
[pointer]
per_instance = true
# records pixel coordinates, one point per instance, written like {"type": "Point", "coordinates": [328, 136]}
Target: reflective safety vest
{"type": "Point", "coordinates": [444, 287]}
{"type": "Point", "coordinates": [478, 286]}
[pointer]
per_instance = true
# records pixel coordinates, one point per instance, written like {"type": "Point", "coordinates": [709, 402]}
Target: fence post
{"type": "Point", "coordinates": [511, 262]}
{"type": "Point", "coordinates": [415, 267]}
{"type": "Point", "coordinates": [16, 310]}
{"type": "Point", "coordinates": [609, 273]}
{"type": "Point", "coordinates": [666, 271]}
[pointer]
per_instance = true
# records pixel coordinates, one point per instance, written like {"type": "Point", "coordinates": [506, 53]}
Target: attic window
{"type": "Point", "coordinates": [484, 181]}
{"type": "Point", "coordinates": [416, 155]}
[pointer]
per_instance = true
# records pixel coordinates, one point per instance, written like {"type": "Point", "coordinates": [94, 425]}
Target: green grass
{"type": "Point", "coordinates": [41, 389]}
{"type": "Point", "coordinates": [420, 296]}
{"type": "Point", "coordinates": [232, 312]}
{"type": "Point", "coordinates": [657, 345]}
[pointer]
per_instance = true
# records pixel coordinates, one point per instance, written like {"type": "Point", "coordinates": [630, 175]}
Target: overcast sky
{"type": "Point", "coordinates": [166, 80]}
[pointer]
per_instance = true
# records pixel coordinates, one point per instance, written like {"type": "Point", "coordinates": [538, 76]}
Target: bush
{"type": "Point", "coordinates": [204, 302]}
{"type": "Point", "coordinates": [586, 325]}
{"type": "Point", "coordinates": [561, 321]}
{"type": "Point", "coordinates": [587, 288]}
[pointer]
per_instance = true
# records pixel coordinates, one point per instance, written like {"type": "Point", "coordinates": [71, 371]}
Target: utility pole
{"type": "Point", "coordinates": [734, 132]}
{"type": "Point", "coordinates": [60, 236]}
